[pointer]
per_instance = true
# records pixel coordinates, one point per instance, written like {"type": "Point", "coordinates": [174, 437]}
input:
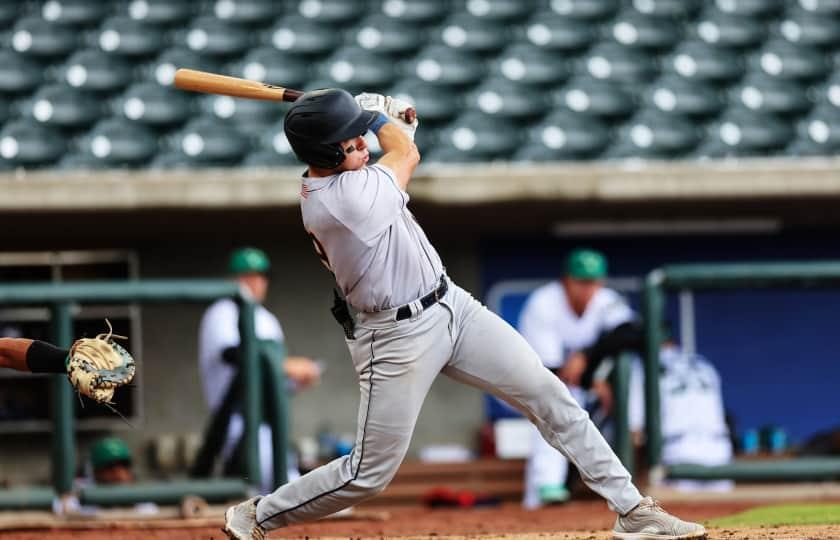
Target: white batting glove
{"type": "Point", "coordinates": [372, 102]}
{"type": "Point", "coordinates": [395, 109]}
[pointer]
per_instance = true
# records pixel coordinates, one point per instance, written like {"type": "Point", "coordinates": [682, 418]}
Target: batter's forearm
{"type": "Point", "coordinates": [400, 153]}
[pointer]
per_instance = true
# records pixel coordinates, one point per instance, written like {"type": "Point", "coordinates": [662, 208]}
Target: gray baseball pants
{"type": "Point", "coordinates": [397, 361]}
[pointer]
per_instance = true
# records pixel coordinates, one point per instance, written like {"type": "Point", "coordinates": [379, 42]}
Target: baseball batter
{"type": "Point", "coordinates": [412, 323]}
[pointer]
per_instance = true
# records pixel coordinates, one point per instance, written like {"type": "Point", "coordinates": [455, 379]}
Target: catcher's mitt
{"type": "Point", "coordinates": [97, 366]}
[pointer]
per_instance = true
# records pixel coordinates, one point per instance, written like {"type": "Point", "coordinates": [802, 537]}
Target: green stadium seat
{"type": "Point", "coordinates": [481, 135]}
{"type": "Point", "coordinates": [9, 12]}
{"type": "Point", "coordinates": [5, 113]}
{"type": "Point", "coordinates": [18, 73]}
{"type": "Point", "coordinates": [704, 62]}
{"type": "Point", "coordinates": [265, 159]}
{"type": "Point", "coordinates": [762, 92]}
{"type": "Point", "coordinates": [825, 7]}
{"type": "Point", "coordinates": [652, 134]}
{"type": "Point", "coordinates": [301, 36]}
{"type": "Point", "coordinates": [426, 138]}
{"type": "Point", "coordinates": [548, 30]}
{"type": "Point", "coordinates": [753, 8]}
{"type": "Point", "coordinates": [830, 91]}
{"type": "Point", "coordinates": [129, 37]}
{"type": "Point", "coordinates": [501, 10]}
{"type": "Point", "coordinates": [527, 64]}
{"type": "Point", "coordinates": [427, 100]}
{"type": "Point", "coordinates": [500, 97]}
{"type": "Point", "coordinates": [786, 60]}
{"type": "Point", "coordinates": [443, 66]}
{"type": "Point", "coordinates": [269, 65]}
{"type": "Point", "coordinates": [414, 11]}
{"type": "Point", "coordinates": [449, 155]}
{"type": "Point", "coordinates": [678, 95]}
{"type": "Point", "coordinates": [118, 142]}
{"type": "Point", "coordinates": [75, 12]}
{"type": "Point", "coordinates": [821, 128]}
{"type": "Point", "coordinates": [80, 161]}
{"type": "Point", "coordinates": [213, 37]}
{"type": "Point", "coordinates": [249, 116]}
{"type": "Point", "coordinates": [748, 132]}
{"type": "Point", "coordinates": [565, 135]}
{"type": "Point", "coordinates": [95, 70]}
{"type": "Point", "coordinates": [177, 161]}
{"type": "Point", "coordinates": [633, 29]}
{"type": "Point", "coordinates": [211, 141]}
{"type": "Point", "coordinates": [333, 12]}
{"type": "Point", "coordinates": [36, 37]}
{"type": "Point", "coordinates": [809, 28]}
{"type": "Point", "coordinates": [273, 139]}
{"type": "Point", "coordinates": [590, 10]}
{"type": "Point", "coordinates": [465, 32]}
{"type": "Point", "coordinates": [24, 143]}
{"type": "Point", "coordinates": [62, 106]}
{"type": "Point", "coordinates": [162, 69]}
{"type": "Point", "coordinates": [723, 29]}
{"type": "Point", "coordinates": [614, 62]}
{"type": "Point", "coordinates": [595, 97]}
{"type": "Point", "coordinates": [382, 35]}
{"type": "Point", "coordinates": [248, 12]}
{"type": "Point", "coordinates": [154, 105]}
{"type": "Point", "coordinates": [354, 67]}
{"type": "Point", "coordinates": [164, 12]}
{"type": "Point", "coordinates": [678, 9]}
{"type": "Point", "coordinates": [717, 150]}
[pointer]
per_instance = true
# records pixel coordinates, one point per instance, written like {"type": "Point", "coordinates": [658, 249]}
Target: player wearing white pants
{"type": "Point", "coordinates": [412, 323]}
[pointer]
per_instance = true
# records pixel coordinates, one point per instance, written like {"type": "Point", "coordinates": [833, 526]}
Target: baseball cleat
{"type": "Point", "coordinates": [241, 521]}
{"type": "Point", "coordinates": [648, 521]}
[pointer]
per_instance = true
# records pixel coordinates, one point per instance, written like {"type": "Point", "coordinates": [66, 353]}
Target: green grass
{"type": "Point", "coordinates": [784, 514]}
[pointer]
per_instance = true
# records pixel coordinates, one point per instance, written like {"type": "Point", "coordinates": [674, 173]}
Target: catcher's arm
{"type": "Point", "coordinates": [97, 366]}
{"type": "Point", "coordinates": [32, 355]}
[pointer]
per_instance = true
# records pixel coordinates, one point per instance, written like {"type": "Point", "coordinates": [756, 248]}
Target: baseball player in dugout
{"type": "Point", "coordinates": [219, 358]}
{"type": "Point", "coordinates": [405, 321]}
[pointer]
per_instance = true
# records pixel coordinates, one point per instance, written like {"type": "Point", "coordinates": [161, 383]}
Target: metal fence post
{"type": "Point", "coordinates": [654, 312]}
{"type": "Point", "coordinates": [621, 385]}
{"type": "Point", "coordinates": [63, 443]}
{"type": "Point", "coordinates": [251, 390]}
{"type": "Point", "coordinates": [274, 354]}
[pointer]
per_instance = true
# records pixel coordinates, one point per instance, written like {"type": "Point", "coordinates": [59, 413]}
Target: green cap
{"type": "Point", "coordinates": [248, 259]}
{"type": "Point", "coordinates": [108, 451]}
{"type": "Point", "coordinates": [586, 264]}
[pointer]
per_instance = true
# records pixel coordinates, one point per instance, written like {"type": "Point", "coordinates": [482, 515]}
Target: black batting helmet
{"type": "Point", "coordinates": [319, 120]}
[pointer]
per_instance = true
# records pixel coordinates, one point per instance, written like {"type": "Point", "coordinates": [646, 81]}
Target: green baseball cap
{"type": "Point", "coordinates": [248, 259]}
{"type": "Point", "coordinates": [586, 264]}
{"type": "Point", "coordinates": [108, 451]}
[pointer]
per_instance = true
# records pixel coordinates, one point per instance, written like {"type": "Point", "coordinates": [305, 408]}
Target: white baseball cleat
{"type": "Point", "coordinates": [648, 521]}
{"type": "Point", "coordinates": [241, 521]}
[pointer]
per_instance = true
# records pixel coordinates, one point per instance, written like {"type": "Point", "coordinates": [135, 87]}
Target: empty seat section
{"type": "Point", "coordinates": [753, 8]}
{"type": "Point", "coordinates": [269, 65]}
{"type": "Point", "coordinates": [129, 37]}
{"type": "Point", "coordinates": [247, 12]}
{"type": "Point", "coordinates": [301, 36]}
{"type": "Point", "coordinates": [117, 142]}
{"type": "Point", "coordinates": [18, 73]}
{"type": "Point", "coordinates": [783, 59]}
{"type": "Point", "coordinates": [155, 105]}
{"type": "Point", "coordinates": [527, 64]}
{"type": "Point", "coordinates": [62, 106]}
{"type": "Point", "coordinates": [678, 9]}
{"type": "Point", "coordinates": [746, 132]}
{"type": "Point", "coordinates": [25, 143]}
{"type": "Point", "coordinates": [478, 135]}
{"type": "Point", "coordinates": [503, 98]}
{"type": "Point", "coordinates": [826, 7]}
{"type": "Point", "coordinates": [655, 135]}
{"type": "Point", "coordinates": [273, 141]}
{"type": "Point", "coordinates": [548, 30]}
{"type": "Point", "coordinates": [210, 141]}
{"type": "Point", "coordinates": [354, 69]}
{"type": "Point", "coordinates": [465, 32]}
{"type": "Point", "coordinates": [633, 29]}
{"type": "Point", "coordinates": [809, 28]}
{"type": "Point", "coordinates": [428, 100]}
{"type": "Point", "coordinates": [213, 37]}
{"type": "Point", "coordinates": [704, 62]}
{"type": "Point", "coordinates": [162, 69]}
{"type": "Point", "coordinates": [500, 10]}
{"type": "Point", "coordinates": [414, 11]}
{"type": "Point", "coordinates": [75, 12]}
{"type": "Point", "coordinates": [9, 11]}
{"type": "Point", "coordinates": [382, 35]}
{"type": "Point", "coordinates": [614, 62]}
{"type": "Point", "coordinates": [587, 10]}
{"type": "Point", "coordinates": [722, 29]}
{"type": "Point", "coordinates": [96, 70]}
{"type": "Point", "coordinates": [249, 116]}
{"type": "Point", "coordinates": [821, 130]}
{"type": "Point", "coordinates": [164, 12]}
{"type": "Point", "coordinates": [38, 37]}
{"type": "Point", "coordinates": [335, 12]}
{"type": "Point", "coordinates": [565, 135]}
{"type": "Point", "coordinates": [762, 92]}
{"type": "Point", "coordinates": [441, 65]}
{"type": "Point", "coordinates": [678, 95]}
{"type": "Point", "coordinates": [596, 97]}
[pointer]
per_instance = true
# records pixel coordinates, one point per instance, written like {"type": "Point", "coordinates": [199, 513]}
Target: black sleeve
{"type": "Point", "coordinates": [43, 357]}
{"type": "Point", "coordinates": [231, 356]}
{"type": "Point", "coordinates": [629, 336]}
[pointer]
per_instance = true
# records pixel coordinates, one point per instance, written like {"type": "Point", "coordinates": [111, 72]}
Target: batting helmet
{"type": "Point", "coordinates": [319, 120]}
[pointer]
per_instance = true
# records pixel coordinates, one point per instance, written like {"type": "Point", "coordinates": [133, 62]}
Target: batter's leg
{"type": "Point", "coordinates": [492, 356]}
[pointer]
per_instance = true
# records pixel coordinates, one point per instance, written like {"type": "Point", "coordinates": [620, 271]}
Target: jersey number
{"type": "Point", "coordinates": [319, 249]}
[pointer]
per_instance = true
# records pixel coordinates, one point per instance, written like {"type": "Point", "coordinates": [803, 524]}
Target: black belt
{"type": "Point", "coordinates": [427, 301]}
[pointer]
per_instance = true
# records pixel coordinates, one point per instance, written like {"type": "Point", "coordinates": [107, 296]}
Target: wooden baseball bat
{"type": "Point", "coordinates": [213, 83]}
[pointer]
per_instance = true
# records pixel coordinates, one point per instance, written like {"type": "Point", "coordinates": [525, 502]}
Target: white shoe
{"type": "Point", "coordinates": [241, 521]}
{"type": "Point", "coordinates": [648, 521]}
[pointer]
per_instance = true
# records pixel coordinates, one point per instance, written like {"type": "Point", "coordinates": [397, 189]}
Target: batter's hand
{"type": "Point", "coordinates": [393, 108]}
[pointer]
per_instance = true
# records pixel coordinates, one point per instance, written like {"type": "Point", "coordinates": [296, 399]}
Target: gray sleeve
{"type": "Point", "coordinates": [368, 201]}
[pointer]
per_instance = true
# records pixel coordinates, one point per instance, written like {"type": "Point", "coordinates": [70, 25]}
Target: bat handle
{"type": "Point", "coordinates": [409, 115]}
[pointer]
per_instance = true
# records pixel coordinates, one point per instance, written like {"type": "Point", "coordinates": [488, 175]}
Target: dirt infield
{"type": "Point", "coordinates": [588, 520]}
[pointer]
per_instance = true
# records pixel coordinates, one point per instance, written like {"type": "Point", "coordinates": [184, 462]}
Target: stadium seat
{"type": "Point", "coordinates": [18, 73]}
{"type": "Point", "coordinates": [595, 97]}
{"type": "Point", "coordinates": [527, 64]}
{"type": "Point", "coordinates": [75, 12]}
{"type": "Point", "coordinates": [207, 140]}
{"type": "Point", "coordinates": [762, 92]}
{"type": "Point", "coordinates": [95, 70]}
{"type": "Point", "coordinates": [414, 11]}
{"type": "Point", "coordinates": [301, 36]}
{"type": "Point", "coordinates": [25, 143]}
{"type": "Point", "coordinates": [426, 138]}
{"type": "Point", "coordinates": [652, 134]}
{"type": "Point", "coordinates": [678, 9]}
{"type": "Point", "coordinates": [154, 105]}
{"type": "Point", "coordinates": [62, 106]}
{"type": "Point", "coordinates": [248, 12]}
{"type": "Point", "coordinates": [165, 12]}
{"type": "Point", "coordinates": [37, 37]}
{"type": "Point", "coordinates": [273, 139]}
{"type": "Point", "coordinates": [80, 161]}
{"type": "Point", "coordinates": [585, 9]}
{"type": "Point", "coordinates": [269, 65]}
{"type": "Point", "coordinates": [354, 67]}
{"type": "Point", "coordinates": [177, 160]}
{"type": "Point", "coordinates": [480, 135]}
{"type": "Point", "coordinates": [753, 8]}
{"type": "Point", "coordinates": [787, 60]}
{"type": "Point", "coordinates": [723, 29]}
{"type": "Point", "coordinates": [5, 113]}
{"type": "Point", "coordinates": [465, 32]}
{"type": "Point", "coordinates": [500, 10]}
{"type": "Point", "coordinates": [548, 30]}
{"type": "Point", "coordinates": [9, 11]}
{"type": "Point", "coordinates": [614, 62]}
{"type": "Point", "coordinates": [704, 62]}
{"type": "Point", "coordinates": [382, 35]}
{"type": "Point", "coordinates": [678, 95]}
{"type": "Point", "coordinates": [748, 132]}
{"type": "Point", "coordinates": [213, 37]}
{"type": "Point", "coordinates": [427, 100]}
{"type": "Point", "coordinates": [117, 142]}
{"type": "Point", "coordinates": [830, 91]}
{"type": "Point", "coordinates": [445, 154]}
{"type": "Point", "coordinates": [821, 128]}
{"type": "Point", "coordinates": [249, 116]}
{"type": "Point", "coordinates": [441, 65]}
{"type": "Point", "coordinates": [825, 7]}
{"type": "Point", "coordinates": [267, 159]}
{"type": "Point", "coordinates": [565, 135]}
{"type": "Point", "coordinates": [338, 12]}
{"type": "Point", "coordinates": [809, 28]}
{"type": "Point", "coordinates": [129, 37]}
{"type": "Point", "coordinates": [633, 29]}
{"type": "Point", "coordinates": [500, 97]}
{"type": "Point", "coordinates": [162, 69]}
